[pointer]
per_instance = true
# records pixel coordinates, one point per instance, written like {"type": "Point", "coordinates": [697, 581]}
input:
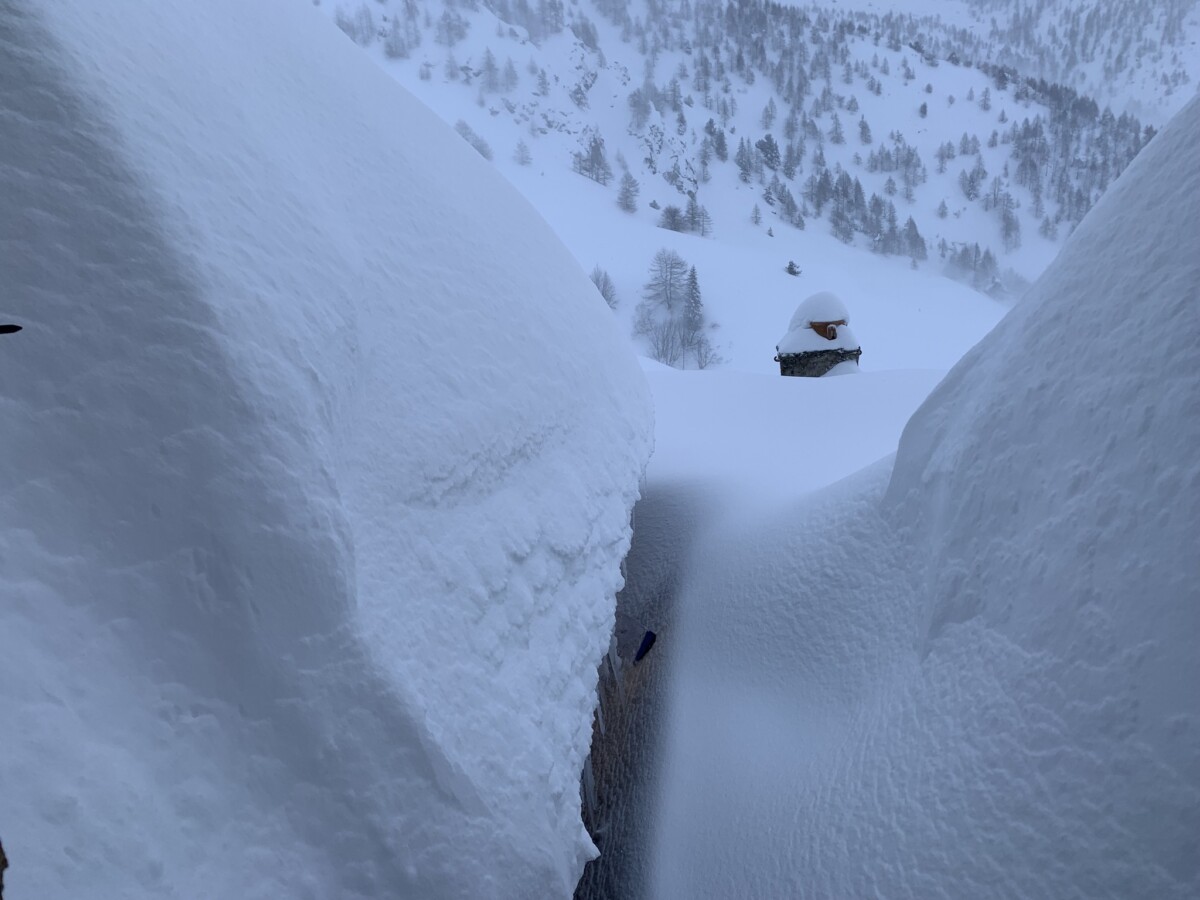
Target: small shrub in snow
{"type": "Point", "coordinates": [593, 163]}
{"type": "Point", "coordinates": [604, 284]}
{"type": "Point", "coordinates": [672, 219]}
{"type": "Point", "coordinates": [358, 25]}
{"type": "Point", "coordinates": [468, 134]}
{"type": "Point", "coordinates": [628, 194]}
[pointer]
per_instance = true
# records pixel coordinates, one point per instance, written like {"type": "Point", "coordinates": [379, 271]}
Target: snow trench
{"type": "Point", "coordinates": [623, 775]}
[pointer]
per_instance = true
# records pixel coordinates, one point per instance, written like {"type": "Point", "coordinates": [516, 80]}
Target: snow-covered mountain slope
{"type": "Point", "coordinates": [872, 131]}
{"type": "Point", "coordinates": [905, 319]}
{"type": "Point", "coordinates": [747, 296]}
{"type": "Point", "coordinates": [1139, 56]}
{"type": "Point", "coordinates": [971, 674]}
{"type": "Point", "coordinates": [315, 473]}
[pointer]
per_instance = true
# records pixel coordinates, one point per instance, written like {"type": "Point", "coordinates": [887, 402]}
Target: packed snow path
{"type": "Point", "coordinates": [717, 460]}
{"type": "Point", "coordinates": [626, 753]}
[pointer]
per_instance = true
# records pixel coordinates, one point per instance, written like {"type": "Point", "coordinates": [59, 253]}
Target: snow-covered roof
{"type": "Point", "coordinates": [824, 306]}
{"type": "Point", "coordinates": [805, 340]}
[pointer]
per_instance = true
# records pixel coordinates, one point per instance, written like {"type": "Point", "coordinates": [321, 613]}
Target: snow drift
{"type": "Point", "coordinates": [973, 674]}
{"type": "Point", "coordinates": [316, 466]}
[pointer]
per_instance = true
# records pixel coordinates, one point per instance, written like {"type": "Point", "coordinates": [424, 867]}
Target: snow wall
{"type": "Point", "coordinates": [317, 458]}
{"type": "Point", "coordinates": [973, 674]}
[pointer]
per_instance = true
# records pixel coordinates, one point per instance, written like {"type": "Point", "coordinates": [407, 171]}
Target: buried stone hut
{"type": "Point", "coordinates": [819, 339]}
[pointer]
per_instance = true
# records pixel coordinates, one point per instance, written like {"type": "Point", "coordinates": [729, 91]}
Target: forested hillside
{"type": "Point", "coordinates": [903, 134]}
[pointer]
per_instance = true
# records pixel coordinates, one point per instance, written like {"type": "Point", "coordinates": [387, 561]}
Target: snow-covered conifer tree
{"type": "Point", "coordinates": [628, 193]}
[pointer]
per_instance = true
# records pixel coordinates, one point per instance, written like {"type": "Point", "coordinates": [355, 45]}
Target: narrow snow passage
{"type": "Point", "coordinates": [731, 448]}
{"type": "Point", "coordinates": [626, 752]}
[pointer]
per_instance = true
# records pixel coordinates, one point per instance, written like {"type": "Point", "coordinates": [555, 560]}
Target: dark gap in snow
{"type": "Point", "coordinates": [620, 780]}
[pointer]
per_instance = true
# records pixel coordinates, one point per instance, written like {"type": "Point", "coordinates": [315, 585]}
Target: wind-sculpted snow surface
{"type": "Point", "coordinates": [316, 464]}
{"type": "Point", "coordinates": [976, 677]}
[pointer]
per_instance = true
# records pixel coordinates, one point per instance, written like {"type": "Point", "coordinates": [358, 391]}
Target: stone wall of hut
{"type": "Point", "coordinates": [815, 363]}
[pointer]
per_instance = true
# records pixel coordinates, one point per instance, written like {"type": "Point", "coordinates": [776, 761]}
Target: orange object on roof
{"type": "Point", "coordinates": [827, 330]}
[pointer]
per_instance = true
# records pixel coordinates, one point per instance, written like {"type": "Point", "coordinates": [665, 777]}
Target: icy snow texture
{"type": "Point", "coordinates": [976, 677]}
{"type": "Point", "coordinates": [821, 307]}
{"type": "Point", "coordinates": [316, 463]}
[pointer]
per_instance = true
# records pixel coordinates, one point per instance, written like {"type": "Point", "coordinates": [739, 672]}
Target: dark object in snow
{"type": "Point", "coordinates": [827, 330]}
{"type": "Point", "coordinates": [818, 338]}
{"type": "Point", "coordinates": [648, 640]}
{"type": "Point", "coordinates": [815, 363]}
{"type": "Point", "coordinates": [791, 268]}
{"type": "Point", "coordinates": [9, 329]}
{"type": "Point", "coordinates": [3, 866]}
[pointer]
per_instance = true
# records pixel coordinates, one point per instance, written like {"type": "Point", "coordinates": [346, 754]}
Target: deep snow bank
{"type": "Point", "coordinates": [315, 471]}
{"type": "Point", "coordinates": [1053, 478]}
{"type": "Point", "coordinates": [973, 676]}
